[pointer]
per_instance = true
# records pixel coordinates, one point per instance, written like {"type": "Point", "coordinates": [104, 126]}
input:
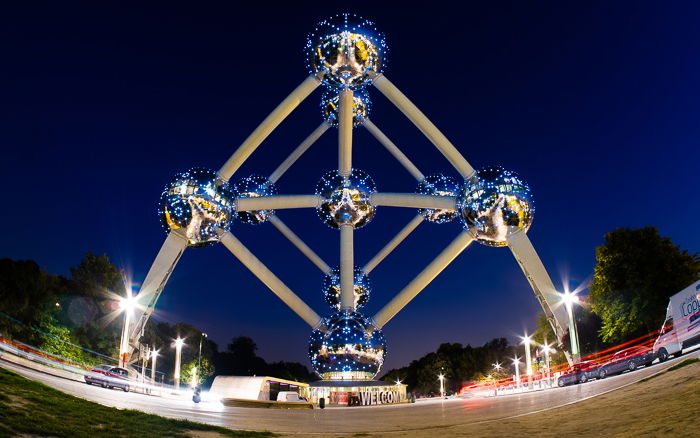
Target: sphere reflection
{"type": "Point", "coordinates": [362, 288]}
{"type": "Point", "coordinates": [254, 186]}
{"type": "Point", "coordinates": [330, 106]}
{"type": "Point", "coordinates": [346, 201]}
{"type": "Point", "coordinates": [438, 185]}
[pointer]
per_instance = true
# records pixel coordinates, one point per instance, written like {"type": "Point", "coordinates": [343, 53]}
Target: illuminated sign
{"type": "Point", "coordinates": [379, 398]}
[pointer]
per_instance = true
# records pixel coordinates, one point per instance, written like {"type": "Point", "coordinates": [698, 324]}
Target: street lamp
{"type": "Point", "coordinates": [568, 299]}
{"type": "Point", "coordinates": [528, 358]}
{"type": "Point", "coordinates": [516, 364]}
{"type": "Point", "coordinates": [126, 305]}
{"type": "Point", "coordinates": [193, 383]}
{"type": "Point", "coordinates": [154, 356]}
{"type": "Point", "coordinates": [199, 360]}
{"type": "Point", "coordinates": [497, 366]}
{"type": "Point", "coordinates": [547, 349]}
{"type": "Point", "coordinates": [179, 342]}
{"type": "Point", "coordinates": [441, 378]}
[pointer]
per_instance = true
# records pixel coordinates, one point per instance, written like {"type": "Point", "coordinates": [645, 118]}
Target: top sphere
{"type": "Point", "coordinates": [198, 201]}
{"type": "Point", "coordinates": [345, 51]}
{"type": "Point", "coordinates": [495, 204]}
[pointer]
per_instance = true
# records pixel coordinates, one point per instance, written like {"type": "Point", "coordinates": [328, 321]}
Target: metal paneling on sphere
{"type": "Point", "coordinates": [362, 288]}
{"type": "Point", "coordinates": [330, 106]}
{"type": "Point", "coordinates": [347, 345]}
{"type": "Point", "coordinates": [346, 201]}
{"type": "Point", "coordinates": [254, 186]}
{"type": "Point", "coordinates": [345, 51]}
{"type": "Point", "coordinates": [495, 204]}
{"type": "Point", "coordinates": [198, 201]}
{"type": "Point", "coordinates": [438, 185]}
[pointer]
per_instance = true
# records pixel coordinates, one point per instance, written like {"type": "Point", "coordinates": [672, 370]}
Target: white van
{"type": "Point", "coordinates": [681, 329]}
{"type": "Point", "coordinates": [289, 396]}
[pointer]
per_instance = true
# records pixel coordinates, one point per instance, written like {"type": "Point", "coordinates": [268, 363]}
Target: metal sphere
{"type": "Point", "coordinates": [362, 288]}
{"type": "Point", "coordinates": [495, 204]}
{"type": "Point", "coordinates": [438, 185]}
{"type": "Point", "coordinates": [345, 51]}
{"type": "Point", "coordinates": [254, 186]}
{"type": "Point", "coordinates": [199, 202]}
{"type": "Point", "coordinates": [347, 346]}
{"type": "Point", "coordinates": [330, 106]}
{"type": "Point", "coordinates": [346, 201]}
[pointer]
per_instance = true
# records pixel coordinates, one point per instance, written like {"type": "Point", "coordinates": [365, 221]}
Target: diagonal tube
{"type": "Point", "coordinates": [347, 268]}
{"type": "Point", "coordinates": [301, 246]}
{"type": "Point", "coordinates": [424, 125]}
{"type": "Point", "coordinates": [414, 200]}
{"type": "Point", "coordinates": [267, 126]}
{"type": "Point", "coordinates": [345, 117]}
{"type": "Point", "coordinates": [299, 151]}
{"type": "Point", "coordinates": [393, 243]}
{"type": "Point", "coordinates": [269, 279]}
{"type": "Point", "coordinates": [393, 149]}
{"type": "Point", "coordinates": [455, 248]}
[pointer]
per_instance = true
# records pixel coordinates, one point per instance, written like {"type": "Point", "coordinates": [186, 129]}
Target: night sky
{"type": "Point", "coordinates": [596, 108]}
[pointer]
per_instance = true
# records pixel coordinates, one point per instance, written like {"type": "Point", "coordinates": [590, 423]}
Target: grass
{"type": "Point", "coordinates": [32, 408]}
{"type": "Point", "coordinates": [673, 368]}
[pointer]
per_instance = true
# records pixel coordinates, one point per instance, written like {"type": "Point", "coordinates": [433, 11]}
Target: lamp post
{"type": "Point", "coordinates": [199, 360]}
{"type": "Point", "coordinates": [569, 299]}
{"type": "Point", "coordinates": [126, 305]}
{"type": "Point", "coordinates": [179, 342]}
{"type": "Point", "coordinates": [547, 349]}
{"type": "Point", "coordinates": [516, 364]}
{"type": "Point", "coordinates": [441, 378]}
{"type": "Point", "coordinates": [193, 382]}
{"type": "Point", "coordinates": [528, 359]}
{"type": "Point", "coordinates": [154, 356]}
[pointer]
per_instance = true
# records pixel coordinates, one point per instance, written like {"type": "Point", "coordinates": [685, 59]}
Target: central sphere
{"type": "Point", "coordinates": [345, 201]}
{"type": "Point", "coordinates": [254, 186]}
{"type": "Point", "coordinates": [438, 185]}
{"type": "Point", "coordinates": [200, 203]}
{"type": "Point", "coordinates": [347, 346]}
{"type": "Point", "coordinates": [330, 107]}
{"type": "Point", "coordinates": [345, 51]}
{"type": "Point", "coordinates": [495, 204]}
{"type": "Point", "coordinates": [362, 288]}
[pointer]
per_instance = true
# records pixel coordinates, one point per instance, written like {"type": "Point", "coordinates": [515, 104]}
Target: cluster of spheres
{"type": "Point", "coordinates": [346, 52]}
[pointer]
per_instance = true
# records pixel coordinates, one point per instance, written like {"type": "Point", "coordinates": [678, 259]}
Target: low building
{"type": "Point", "coordinates": [263, 388]}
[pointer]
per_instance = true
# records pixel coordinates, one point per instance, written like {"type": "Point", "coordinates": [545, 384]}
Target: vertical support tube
{"type": "Point", "coordinates": [299, 151]}
{"type": "Point", "coordinates": [455, 248]}
{"type": "Point", "coordinates": [267, 126]}
{"type": "Point", "coordinates": [347, 269]}
{"type": "Point", "coordinates": [345, 117]}
{"type": "Point", "coordinates": [425, 125]}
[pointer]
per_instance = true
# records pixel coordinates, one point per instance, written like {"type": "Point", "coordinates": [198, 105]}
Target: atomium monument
{"type": "Point", "coordinates": [346, 55]}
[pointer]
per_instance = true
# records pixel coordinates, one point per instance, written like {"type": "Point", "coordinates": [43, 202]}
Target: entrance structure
{"type": "Point", "coordinates": [346, 55]}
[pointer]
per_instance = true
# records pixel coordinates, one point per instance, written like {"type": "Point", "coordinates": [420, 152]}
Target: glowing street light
{"type": "Point", "coordinates": [528, 358]}
{"type": "Point", "coordinates": [547, 349]}
{"type": "Point", "coordinates": [569, 299]}
{"type": "Point", "coordinates": [441, 378]}
{"type": "Point", "coordinates": [497, 366]}
{"type": "Point", "coordinates": [199, 360]}
{"type": "Point", "coordinates": [126, 305]}
{"type": "Point", "coordinates": [516, 364]}
{"type": "Point", "coordinates": [154, 355]}
{"type": "Point", "coordinates": [179, 342]}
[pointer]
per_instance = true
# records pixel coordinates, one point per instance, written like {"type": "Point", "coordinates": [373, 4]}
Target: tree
{"type": "Point", "coordinates": [204, 370]}
{"type": "Point", "coordinates": [637, 271]}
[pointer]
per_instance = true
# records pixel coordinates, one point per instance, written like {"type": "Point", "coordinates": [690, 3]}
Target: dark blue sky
{"type": "Point", "coordinates": [596, 107]}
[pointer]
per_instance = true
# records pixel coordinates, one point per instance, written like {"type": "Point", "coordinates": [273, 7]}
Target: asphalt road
{"type": "Point", "coordinates": [422, 415]}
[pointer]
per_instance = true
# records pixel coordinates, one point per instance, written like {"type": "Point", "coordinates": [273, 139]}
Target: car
{"type": "Point", "coordinates": [627, 360]}
{"type": "Point", "coordinates": [579, 373]}
{"type": "Point", "coordinates": [108, 376]}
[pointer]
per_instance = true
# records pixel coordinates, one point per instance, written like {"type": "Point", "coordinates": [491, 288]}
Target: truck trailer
{"type": "Point", "coordinates": [681, 328]}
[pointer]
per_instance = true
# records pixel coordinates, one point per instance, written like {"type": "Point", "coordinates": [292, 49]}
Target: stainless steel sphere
{"type": "Point", "coordinates": [362, 288]}
{"type": "Point", "coordinates": [345, 51]}
{"type": "Point", "coordinates": [200, 203]}
{"type": "Point", "coordinates": [495, 204]}
{"type": "Point", "coordinates": [438, 185]}
{"type": "Point", "coordinates": [345, 201]}
{"type": "Point", "coordinates": [330, 106]}
{"type": "Point", "coordinates": [254, 186]}
{"type": "Point", "coordinates": [347, 346]}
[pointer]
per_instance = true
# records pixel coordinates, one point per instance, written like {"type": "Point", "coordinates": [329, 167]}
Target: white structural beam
{"type": "Point", "coordinates": [269, 279]}
{"type": "Point", "coordinates": [267, 126]}
{"type": "Point", "coordinates": [541, 283]}
{"type": "Point", "coordinates": [347, 268]}
{"type": "Point", "coordinates": [154, 283]}
{"type": "Point", "coordinates": [455, 248]}
{"type": "Point", "coordinates": [393, 149]}
{"type": "Point", "coordinates": [424, 125]}
{"type": "Point", "coordinates": [414, 200]}
{"type": "Point", "coordinates": [345, 116]}
{"type": "Point", "coordinates": [393, 243]}
{"type": "Point", "coordinates": [301, 246]}
{"type": "Point", "coordinates": [299, 151]}
{"type": "Point", "coordinates": [277, 202]}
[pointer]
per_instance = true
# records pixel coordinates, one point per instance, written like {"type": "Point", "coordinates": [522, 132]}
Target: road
{"type": "Point", "coordinates": [406, 417]}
